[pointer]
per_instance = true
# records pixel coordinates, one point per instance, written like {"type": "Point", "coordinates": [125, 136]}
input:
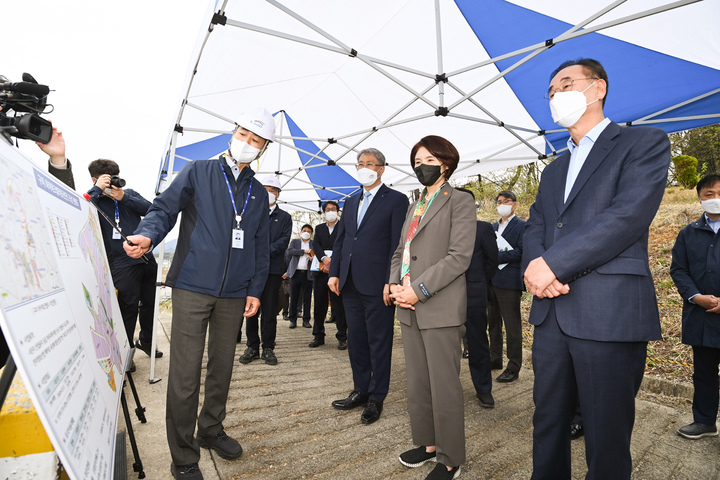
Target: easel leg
{"type": "Point", "coordinates": [140, 410]}
{"type": "Point", "coordinates": [137, 465]}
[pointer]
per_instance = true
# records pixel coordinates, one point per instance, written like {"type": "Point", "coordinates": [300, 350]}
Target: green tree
{"type": "Point", "coordinates": [702, 143]}
{"type": "Point", "coordinates": [686, 172]}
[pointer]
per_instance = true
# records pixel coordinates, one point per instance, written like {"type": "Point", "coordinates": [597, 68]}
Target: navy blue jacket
{"type": "Point", "coordinates": [510, 276]}
{"type": "Point", "coordinates": [695, 269]}
{"type": "Point", "coordinates": [484, 261]}
{"type": "Point", "coordinates": [205, 261]}
{"type": "Point", "coordinates": [132, 208]}
{"type": "Point", "coordinates": [280, 231]}
{"type": "Point", "coordinates": [372, 243]}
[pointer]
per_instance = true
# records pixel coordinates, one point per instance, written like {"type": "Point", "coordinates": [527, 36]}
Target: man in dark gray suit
{"type": "Point", "coordinates": [506, 289]}
{"type": "Point", "coordinates": [585, 251]}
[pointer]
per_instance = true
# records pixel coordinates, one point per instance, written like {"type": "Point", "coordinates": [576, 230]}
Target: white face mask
{"type": "Point", "coordinates": [366, 176]}
{"type": "Point", "coordinates": [567, 107]}
{"type": "Point", "coordinates": [272, 198]}
{"type": "Point", "coordinates": [242, 152]}
{"type": "Point", "coordinates": [504, 210]}
{"type": "Point", "coordinates": [711, 206]}
{"type": "Point", "coordinates": [331, 216]}
{"type": "Point", "coordinates": [305, 236]}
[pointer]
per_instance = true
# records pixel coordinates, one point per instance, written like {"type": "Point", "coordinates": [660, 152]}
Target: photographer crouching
{"type": "Point", "coordinates": [133, 279]}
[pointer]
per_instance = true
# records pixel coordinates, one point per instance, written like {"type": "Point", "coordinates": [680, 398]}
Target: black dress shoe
{"type": "Point", "coordinates": [342, 344]}
{"type": "Point", "coordinates": [145, 347]}
{"type": "Point", "coordinates": [355, 399]}
{"type": "Point", "coordinates": [576, 431]}
{"type": "Point", "coordinates": [317, 341]}
{"type": "Point", "coordinates": [307, 324]}
{"type": "Point", "coordinates": [293, 323]}
{"type": "Point", "coordinates": [507, 376]}
{"type": "Point", "coordinates": [372, 412]}
{"type": "Point", "coordinates": [486, 400]}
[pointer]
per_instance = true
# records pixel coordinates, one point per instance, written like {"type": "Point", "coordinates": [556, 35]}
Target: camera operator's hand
{"type": "Point", "coordinates": [103, 183]}
{"type": "Point", "coordinates": [141, 245]}
{"type": "Point", "coordinates": [55, 148]}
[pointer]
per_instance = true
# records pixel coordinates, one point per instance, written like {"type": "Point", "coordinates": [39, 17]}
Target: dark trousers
{"type": "Point", "coordinates": [300, 289]}
{"type": "Point", "coordinates": [606, 377]}
{"type": "Point", "coordinates": [194, 316]}
{"type": "Point", "coordinates": [504, 306]}
{"type": "Point", "coordinates": [477, 339]}
{"type": "Point", "coordinates": [136, 294]}
{"type": "Point", "coordinates": [267, 316]}
{"type": "Point", "coordinates": [370, 337]}
{"type": "Point", "coordinates": [320, 293]}
{"type": "Point", "coordinates": [705, 382]}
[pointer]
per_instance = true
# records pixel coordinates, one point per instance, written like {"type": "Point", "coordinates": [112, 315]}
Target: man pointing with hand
{"type": "Point", "coordinates": [219, 270]}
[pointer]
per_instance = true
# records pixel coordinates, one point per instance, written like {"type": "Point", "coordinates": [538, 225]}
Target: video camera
{"type": "Point", "coordinates": [26, 96]}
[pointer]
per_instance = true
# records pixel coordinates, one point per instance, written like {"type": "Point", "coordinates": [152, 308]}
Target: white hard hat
{"type": "Point", "coordinates": [259, 122]}
{"type": "Point", "coordinates": [271, 181]}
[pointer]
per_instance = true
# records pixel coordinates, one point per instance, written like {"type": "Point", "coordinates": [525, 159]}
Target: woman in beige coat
{"type": "Point", "coordinates": [427, 283]}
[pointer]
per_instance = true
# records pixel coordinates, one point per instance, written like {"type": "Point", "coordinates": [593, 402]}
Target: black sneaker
{"type": "Point", "coordinates": [249, 355]}
{"type": "Point", "coordinates": [416, 457]}
{"type": "Point", "coordinates": [698, 430]}
{"type": "Point", "coordinates": [440, 472]}
{"type": "Point", "coordinates": [186, 472]}
{"type": "Point", "coordinates": [269, 356]}
{"type": "Point", "coordinates": [227, 447]}
{"type": "Point", "coordinates": [145, 347]}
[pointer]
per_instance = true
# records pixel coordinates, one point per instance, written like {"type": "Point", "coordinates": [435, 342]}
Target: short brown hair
{"type": "Point", "coordinates": [441, 149]}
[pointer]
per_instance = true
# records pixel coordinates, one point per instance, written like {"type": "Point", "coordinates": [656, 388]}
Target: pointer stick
{"type": "Point", "coordinates": [87, 197]}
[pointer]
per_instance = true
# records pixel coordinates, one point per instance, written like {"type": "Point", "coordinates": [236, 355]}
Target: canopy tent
{"type": "Point", "coordinates": [345, 76]}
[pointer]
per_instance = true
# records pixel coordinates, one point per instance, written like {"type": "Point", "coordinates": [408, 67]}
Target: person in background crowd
{"type": "Point", "coordinates": [427, 283]}
{"type": "Point", "coordinates": [368, 234]}
{"type": "Point", "coordinates": [477, 278]}
{"type": "Point", "coordinates": [217, 275]}
{"type": "Point", "coordinates": [325, 235]}
{"type": "Point", "coordinates": [506, 289]}
{"type": "Point", "coordinates": [280, 230]}
{"type": "Point", "coordinates": [695, 269]}
{"type": "Point", "coordinates": [300, 253]}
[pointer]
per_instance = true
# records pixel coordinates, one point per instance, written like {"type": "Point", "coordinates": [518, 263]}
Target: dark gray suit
{"type": "Point", "coordinates": [432, 333]}
{"type": "Point", "coordinates": [592, 341]}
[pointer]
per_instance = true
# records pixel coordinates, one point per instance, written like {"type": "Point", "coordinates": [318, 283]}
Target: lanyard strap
{"type": "Point", "coordinates": [238, 216]}
{"type": "Point", "coordinates": [117, 215]}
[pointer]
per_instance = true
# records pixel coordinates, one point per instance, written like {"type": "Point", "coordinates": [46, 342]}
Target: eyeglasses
{"type": "Point", "coordinates": [565, 86]}
{"type": "Point", "coordinates": [368, 165]}
{"type": "Point", "coordinates": [507, 201]}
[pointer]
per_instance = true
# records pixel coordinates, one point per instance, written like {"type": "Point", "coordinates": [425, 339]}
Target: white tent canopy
{"type": "Point", "coordinates": [344, 75]}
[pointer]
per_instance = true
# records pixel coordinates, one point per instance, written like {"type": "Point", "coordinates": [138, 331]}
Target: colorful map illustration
{"type": "Point", "coordinates": [32, 270]}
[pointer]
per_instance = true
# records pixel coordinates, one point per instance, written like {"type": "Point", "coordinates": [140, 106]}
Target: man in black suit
{"type": "Point", "coordinates": [506, 289]}
{"type": "Point", "coordinates": [369, 231]}
{"type": "Point", "coordinates": [280, 231]}
{"type": "Point", "coordinates": [585, 253]}
{"type": "Point", "coordinates": [482, 267]}
{"type": "Point", "coordinates": [325, 236]}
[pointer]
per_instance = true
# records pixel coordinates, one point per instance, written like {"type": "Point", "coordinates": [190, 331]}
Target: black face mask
{"type": "Point", "coordinates": [427, 174]}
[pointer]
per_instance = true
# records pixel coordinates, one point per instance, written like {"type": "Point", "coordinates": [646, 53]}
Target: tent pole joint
{"type": "Point", "coordinates": [218, 19]}
{"type": "Point", "coordinates": [442, 112]}
{"type": "Point", "coordinates": [353, 53]}
{"type": "Point", "coordinates": [178, 128]}
{"type": "Point", "coordinates": [331, 141]}
{"type": "Point", "coordinates": [550, 43]}
{"type": "Point", "coordinates": [441, 77]}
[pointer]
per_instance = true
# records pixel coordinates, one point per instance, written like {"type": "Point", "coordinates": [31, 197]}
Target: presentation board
{"type": "Point", "coordinates": [60, 314]}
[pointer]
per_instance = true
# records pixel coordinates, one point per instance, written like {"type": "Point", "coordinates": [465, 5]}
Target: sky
{"type": "Point", "coordinates": [117, 73]}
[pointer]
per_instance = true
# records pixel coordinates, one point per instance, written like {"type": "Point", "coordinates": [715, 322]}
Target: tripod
{"type": "Point", "coordinates": [140, 412]}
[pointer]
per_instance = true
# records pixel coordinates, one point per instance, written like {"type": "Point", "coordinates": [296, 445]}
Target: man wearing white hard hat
{"type": "Point", "coordinates": [217, 275]}
{"type": "Point", "coordinates": [280, 231]}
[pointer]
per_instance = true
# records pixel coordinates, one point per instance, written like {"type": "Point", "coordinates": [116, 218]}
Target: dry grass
{"type": "Point", "coordinates": [665, 358]}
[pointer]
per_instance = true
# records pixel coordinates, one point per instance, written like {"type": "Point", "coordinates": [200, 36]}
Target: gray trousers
{"type": "Point", "coordinates": [434, 391]}
{"type": "Point", "coordinates": [504, 305]}
{"type": "Point", "coordinates": [193, 313]}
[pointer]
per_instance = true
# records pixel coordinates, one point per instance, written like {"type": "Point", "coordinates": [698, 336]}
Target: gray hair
{"type": "Point", "coordinates": [374, 152]}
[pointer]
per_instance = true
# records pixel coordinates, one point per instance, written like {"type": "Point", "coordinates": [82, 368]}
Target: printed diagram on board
{"type": "Point", "coordinates": [32, 271]}
{"type": "Point", "coordinates": [105, 342]}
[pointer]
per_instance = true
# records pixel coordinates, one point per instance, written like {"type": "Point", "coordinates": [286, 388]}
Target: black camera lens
{"type": "Point", "coordinates": [117, 182]}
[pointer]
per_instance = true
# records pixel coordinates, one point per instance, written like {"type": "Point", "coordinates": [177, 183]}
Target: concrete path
{"type": "Point", "coordinates": [282, 417]}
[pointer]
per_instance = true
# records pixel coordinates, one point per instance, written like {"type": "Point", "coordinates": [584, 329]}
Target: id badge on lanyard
{"type": "Point", "coordinates": [238, 235]}
{"type": "Point", "coordinates": [116, 233]}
